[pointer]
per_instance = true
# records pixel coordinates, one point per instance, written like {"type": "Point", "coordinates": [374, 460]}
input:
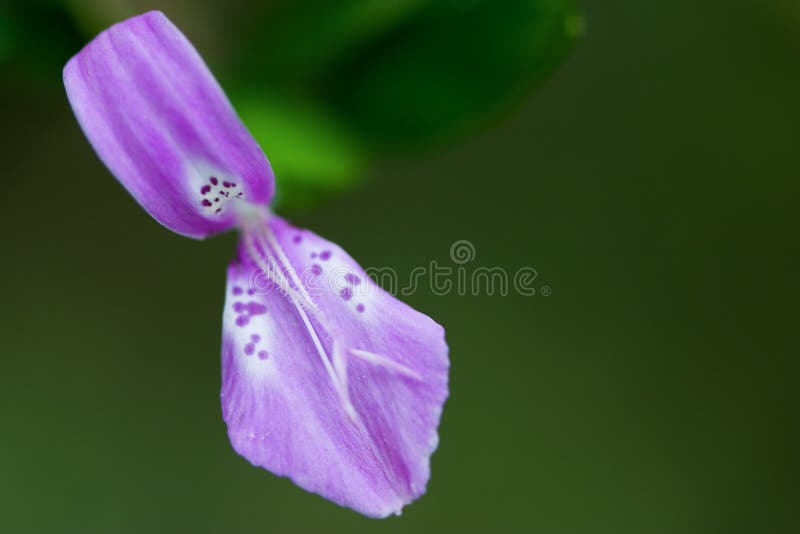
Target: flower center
{"type": "Point", "coordinates": [216, 193]}
{"type": "Point", "coordinates": [212, 188]}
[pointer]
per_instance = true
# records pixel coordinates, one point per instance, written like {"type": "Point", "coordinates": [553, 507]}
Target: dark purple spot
{"type": "Point", "coordinates": [205, 189]}
{"type": "Point", "coordinates": [316, 270]}
{"type": "Point", "coordinates": [226, 184]}
{"type": "Point", "coordinates": [360, 308]}
{"type": "Point", "coordinates": [262, 355]}
{"type": "Point", "coordinates": [206, 202]}
{"type": "Point", "coordinates": [346, 293]}
{"type": "Point", "coordinates": [218, 210]}
{"type": "Point", "coordinates": [255, 338]}
{"type": "Point", "coordinates": [249, 349]}
{"type": "Point", "coordinates": [325, 255]}
{"type": "Point", "coordinates": [216, 199]}
{"type": "Point", "coordinates": [313, 255]}
{"type": "Point", "coordinates": [213, 180]}
{"type": "Point", "coordinates": [237, 290]}
{"type": "Point", "coordinates": [297, 238]}
{"type": "Point", "coordinates": [250, 291]}
{"type": "Point", "coordinates": [353, 279]}
{"type": "Point", "coordinates": [254, 308]}
{"type": "Point", "coordinates": [246, 310]}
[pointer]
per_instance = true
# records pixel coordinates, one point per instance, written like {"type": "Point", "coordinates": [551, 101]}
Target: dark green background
{"type": "Point", "coordinates": [652, 182]}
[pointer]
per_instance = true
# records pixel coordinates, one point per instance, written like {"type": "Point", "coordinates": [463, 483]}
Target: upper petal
{"type": "Point", "coordinates": [161, 123]}
{"type": "Point", "coordinates": [327, 379]}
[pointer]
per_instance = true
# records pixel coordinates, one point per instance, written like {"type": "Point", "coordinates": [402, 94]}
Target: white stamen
{"type": "Point", "coordinates": [300, 293]}
{"type": "Point", "coordinates": [286, 263]}
{"type": "Point", "coordinates": [255, 223]}
{"type": "Point", "coordinates": [269, 270]}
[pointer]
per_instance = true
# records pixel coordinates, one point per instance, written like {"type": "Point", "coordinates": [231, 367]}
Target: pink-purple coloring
{"type": "Point", "coordinates": [326, 379]}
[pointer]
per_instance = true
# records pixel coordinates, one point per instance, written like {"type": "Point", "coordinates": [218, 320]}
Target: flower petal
{"type": "Point", "coordinates": [161, 123]}
{"type": "Point", "coordinates": [327, 379]}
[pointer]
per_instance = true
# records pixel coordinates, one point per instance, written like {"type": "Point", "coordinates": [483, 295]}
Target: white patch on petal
{"type": "Point", "coordinates": [211, 188]}
{"type": "Point", "coordinates": [253, 333]}
{"type": "Point", "coordinates": [260, 362]}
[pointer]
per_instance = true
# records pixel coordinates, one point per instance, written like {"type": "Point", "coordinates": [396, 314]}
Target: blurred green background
{"type": "Point", "coordinates": [651, 180]}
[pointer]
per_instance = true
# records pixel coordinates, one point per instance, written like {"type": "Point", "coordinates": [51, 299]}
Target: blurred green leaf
{"type": "Point", "coordinates": [312, 153]}
{"type": "Point", "coordinates": [402, 74]}
{"type": "Point", "coordinates": [290, 41]}
{"type": "Point", "coordinates": [451, 65]}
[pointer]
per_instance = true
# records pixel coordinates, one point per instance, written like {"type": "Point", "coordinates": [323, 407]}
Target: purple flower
{"type": "Point", "coordinates": [325, 378]}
